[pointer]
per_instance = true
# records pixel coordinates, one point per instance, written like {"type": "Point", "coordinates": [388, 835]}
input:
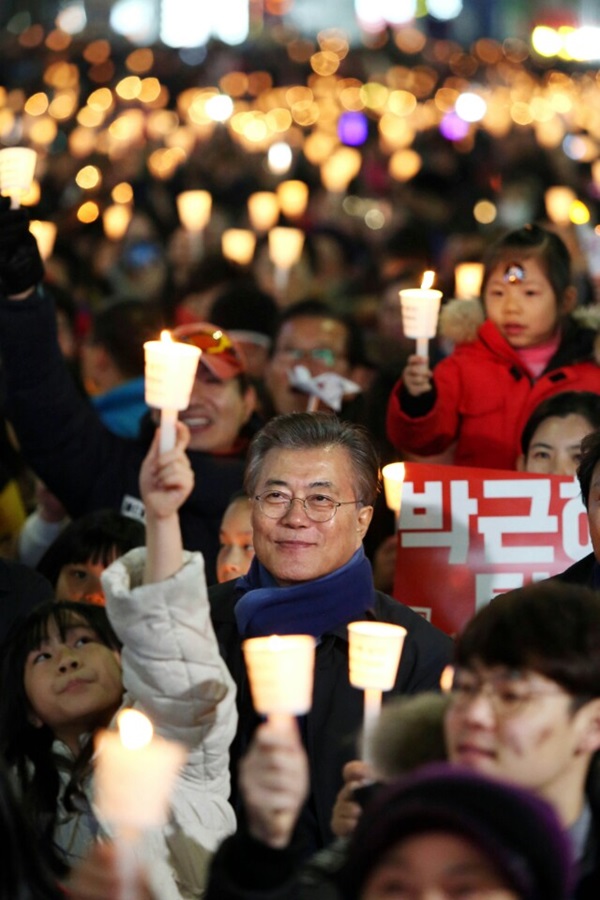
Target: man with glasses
{"type": "Point", "coordinates": [525, 705]}
{"type": "Point", "coordinates": [311, 334]}
{"type": "Point", "coordinates": [312, 479]}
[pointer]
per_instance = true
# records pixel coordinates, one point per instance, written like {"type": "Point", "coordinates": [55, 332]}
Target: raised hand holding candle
{"type": "Point", "coordinates": [374, 655]}
{"type": "Point", "coordinates": [393, 480]}
{"type": "Point", "coordinates": [134, 774]}
{"type": "Point", "coordinates": [169, 379]}
{"type": "Point", "coordinates": [280, 671]}
{"type": "Point", "coordinates": [420, 310]}
{"type": "Point", "coordinates": [17, 168]}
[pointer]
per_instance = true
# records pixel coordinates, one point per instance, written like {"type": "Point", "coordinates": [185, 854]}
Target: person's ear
{"type": "Point", "coordinates": [569, 300]}
{"type": "Point", "coordinates": [520, 463]}
{"type": "Point", "coordinates": [589, 741]}
{"type": "Point", "coordinates": [365, 514]}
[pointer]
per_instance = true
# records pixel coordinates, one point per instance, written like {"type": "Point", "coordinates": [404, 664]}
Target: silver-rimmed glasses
{"type": "Point", "coordinates": [318, 507]}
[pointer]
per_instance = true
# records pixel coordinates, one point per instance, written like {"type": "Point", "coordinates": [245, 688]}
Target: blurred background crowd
{"type": "Point", "coordinates": [331, 152]}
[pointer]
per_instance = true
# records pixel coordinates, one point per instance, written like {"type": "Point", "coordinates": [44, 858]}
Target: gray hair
{"type": "Point", "coordinates": [304, 431]}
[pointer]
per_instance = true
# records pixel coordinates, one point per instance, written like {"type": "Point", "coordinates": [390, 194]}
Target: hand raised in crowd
{"type": "Point", "coordinates": [346, 811]}
{"type": "Point", "coordinates": [166, 479]}
{"type": "Point", "coordinates": [416, 377]}
{"type": "Point", "coordinates": [97, 877]}
{"type": "Point", "coordinates": [274, 782]}
{"type": "Point", "coordinates": [21, 266]}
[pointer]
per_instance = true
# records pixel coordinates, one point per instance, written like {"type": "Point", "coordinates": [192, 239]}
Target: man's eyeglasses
{"type": "Point", "coordinates": [323, 355]}
{"type": "Point", "coordinates": [508, 693]}
{"type": "Point", "coordinates": [318, 507]}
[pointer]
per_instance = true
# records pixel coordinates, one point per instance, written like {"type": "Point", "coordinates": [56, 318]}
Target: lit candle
{"type": "Point", "coordinates": [393, 480]}
{"type": "Point", "coordinates": [467, 280]}
{"type": "Point", "coordinates": [558, 200]}
{"type": "Point", "coordinates": [169, 379]}
{"type": "Point", "coordinates": [238, 244]}
{"type": "Point", "coordinates": [420, 310]}
{"type": "Point", "coordinates": [17, 168]}
{"type": "Point", "coordinates": [194, 209]}
{"type": "Point", "coordinates": [45, 235]}
{"type": "Point", "coordinates": [263, 210]}
{"type": "Point", "coordinates": [374, 655]}
{"type": "Point", "coordinates": [293, 198]}
{"type": "Point", "coordinates": [285, 250]}
{"type": "Point", "coordinates": [280, 671]}
{"type": "Point", "coordinates": [338, 170]}
{"type": "Point", "coordinates": [134, 774]}
{"type": "Point", "coordinates": [116, 219]}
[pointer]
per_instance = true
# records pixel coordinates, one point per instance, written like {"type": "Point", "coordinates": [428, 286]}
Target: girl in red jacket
{"type": "Point", "coordinates": [475, 403]}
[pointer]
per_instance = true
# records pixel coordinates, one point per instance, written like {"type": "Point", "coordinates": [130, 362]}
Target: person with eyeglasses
{"type": "Point", "coordinates": [525, 706]}
{"type": "Point", "coordinates": [310, 333]}
{"type": "Point", "coordinates": [60, 434]}
{"type": "Point", "coordinates": [312, 479]}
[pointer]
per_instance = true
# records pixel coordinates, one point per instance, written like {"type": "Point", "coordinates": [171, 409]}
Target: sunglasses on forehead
{"type": "Point", "coordinates": [207, 338]}
{"type": "Point", "coordinates": [219, 352]}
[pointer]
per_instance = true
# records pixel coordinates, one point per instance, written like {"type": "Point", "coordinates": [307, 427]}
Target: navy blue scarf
{"type": "Point", "coordinates": [311, 607]}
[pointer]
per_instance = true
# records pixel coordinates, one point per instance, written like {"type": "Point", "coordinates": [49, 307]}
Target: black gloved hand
{"type": "Point", "coordinates": [21, 265]}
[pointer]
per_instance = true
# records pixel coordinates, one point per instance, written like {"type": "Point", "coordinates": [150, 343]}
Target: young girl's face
{"type": "Point", "coordinates": [525, 310]}
{"type": "Point", "coordinates": [555, 446]}
{"type": "Point", "coordinates": [235, 537]}
{"type": "Point", "coordinates": [72, 681]}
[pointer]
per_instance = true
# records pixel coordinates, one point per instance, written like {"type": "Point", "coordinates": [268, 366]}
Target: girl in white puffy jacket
{"type": "Point", "coordinates": [69, 669]}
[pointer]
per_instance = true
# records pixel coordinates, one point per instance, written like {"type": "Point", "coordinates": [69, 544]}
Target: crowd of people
{"type": "Point", "coordinates": [133, 576]}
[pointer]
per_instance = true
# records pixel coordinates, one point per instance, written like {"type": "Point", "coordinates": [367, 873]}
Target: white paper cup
{"type": "Point", "coordinates": [132, 787]}
{"type": "Point", "coordinates": [169, 373]}
{"type": "Point", "coordinates": [393, 483]}
{"type": "Point", "coordinates": [420, 310]}
{"type": "Point", "coordinates": [280, 672]}
{"type": "Point", "coordinates": [17, 168]}
{"type": "Point", "coordinates": [374, 654]}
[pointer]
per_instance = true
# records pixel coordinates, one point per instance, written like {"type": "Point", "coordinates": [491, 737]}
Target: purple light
{"type": "Point", "coordinates": [453, 127]}
{"type": "Point", "coordinates": [353, 128]}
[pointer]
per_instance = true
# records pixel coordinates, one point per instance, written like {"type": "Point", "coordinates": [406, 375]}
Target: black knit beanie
{"type": "Point", "coordinates": [518, 831]}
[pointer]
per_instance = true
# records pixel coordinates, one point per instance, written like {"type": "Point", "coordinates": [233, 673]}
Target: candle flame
{"type": "Point", "coordinates": [395, 471]}
{"type": "Point", "coordinates": [428, 279]}
{"type": "Point", "coordinates": [166, 336]}
{"type": "Point", "coordinates": [135, 729]}
{"type": "Point", "coordinates": [447, 679]}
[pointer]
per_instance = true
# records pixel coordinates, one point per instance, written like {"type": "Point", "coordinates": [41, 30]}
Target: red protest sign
{"type": "Point", "coordinates": [467, 534]}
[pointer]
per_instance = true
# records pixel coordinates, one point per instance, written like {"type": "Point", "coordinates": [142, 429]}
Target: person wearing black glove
{"type": "Point", "coordinates": [21, 266]}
